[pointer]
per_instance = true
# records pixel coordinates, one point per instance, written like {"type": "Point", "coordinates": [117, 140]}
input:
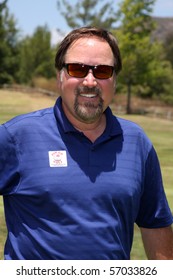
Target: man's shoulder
{"type": "Point", "coordinates": [29, 118]}
{"type": "Point", "coordinates": [128, 124]}
{"type": "Point", "coordinates": [133, 132]}
{"type": "Point", "coordinates": [129, 127]}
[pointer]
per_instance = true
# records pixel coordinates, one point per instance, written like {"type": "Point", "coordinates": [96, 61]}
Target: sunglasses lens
{"type": "Point", "coordinates": [103, 71]}
{"type": "Point", "coordinates": [77, 70]}
{"type": "Point", "coordinates": [81, 70]}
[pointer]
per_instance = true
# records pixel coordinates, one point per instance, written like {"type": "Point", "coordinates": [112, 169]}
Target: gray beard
{"type": "Point", "coordinates": [88, 112]}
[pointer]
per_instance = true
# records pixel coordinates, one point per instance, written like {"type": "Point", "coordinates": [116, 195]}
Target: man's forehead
{"type": "Point", "coordinates": [89, 40]}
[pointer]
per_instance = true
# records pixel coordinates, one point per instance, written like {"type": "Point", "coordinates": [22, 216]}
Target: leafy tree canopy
{"type": "Point", "coordinates": [8, 45]}
{"type": "Point", "coordinates": [168, 47]}
{"type": "Point", "coordinates": [36, 56]}
{"type": "Point", "coordinates": [88, 13]}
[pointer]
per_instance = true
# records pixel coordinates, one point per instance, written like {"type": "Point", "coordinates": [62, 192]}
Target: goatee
{"type": "Point", "coordinates": [88, 111]}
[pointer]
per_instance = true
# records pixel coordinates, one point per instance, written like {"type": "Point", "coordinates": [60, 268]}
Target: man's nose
{"type": "Point", "coordinates": [90, 80]}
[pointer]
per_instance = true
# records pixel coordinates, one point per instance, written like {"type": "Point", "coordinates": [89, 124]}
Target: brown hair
{"type": "Point", "coordinates": [88, 32]}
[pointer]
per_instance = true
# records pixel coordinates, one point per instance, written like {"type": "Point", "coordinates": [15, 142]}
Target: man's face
{"type": "Point", "coordinates": [85, 99]}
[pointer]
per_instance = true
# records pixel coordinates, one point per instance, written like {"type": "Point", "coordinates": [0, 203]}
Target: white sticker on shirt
{"type": "Point", "coordinates": [57, 158]}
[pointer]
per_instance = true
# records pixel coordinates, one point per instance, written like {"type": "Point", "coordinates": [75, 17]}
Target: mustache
{"type": "Point", "coordinates": [85, 89]}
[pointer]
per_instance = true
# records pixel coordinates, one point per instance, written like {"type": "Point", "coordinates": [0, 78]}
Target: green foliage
{"type": "Point", "coordinates": [88, 12]}
{"type": "Point", "coordinates": [135, 17]}
{"type": "Point", "coordinates": [36, 56]}
{"type": "Point", "coordinates": [144, 65]}
{"type": "Point", "coordinates": [20, 61]}
{"type": "Point", "coordinates": [8, 46]}
{"type": "Point", "coordinates": [168, 47]}
{"type": "Point", "coordinates": [134, 38]}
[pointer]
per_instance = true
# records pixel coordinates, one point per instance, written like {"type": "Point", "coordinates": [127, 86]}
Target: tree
{"type": "Point", "coordinates": [168, 47]}
{"type": "Point", "coordinates": [88, 12]}
{"type": "Point", "coordinates": [8, 45]}
{"type": "Point", "coordinates": [36, 56]}
{"type": "Point", "coordinates": [134, 37]}
{"type": "Point", "coordinates": [159, 74]}
{"type": "Point", "coordinates": [2, 45]}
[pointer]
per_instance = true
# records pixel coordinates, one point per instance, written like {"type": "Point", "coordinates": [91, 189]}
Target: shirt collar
{"type": "Point", "coordinates": [113, 127]}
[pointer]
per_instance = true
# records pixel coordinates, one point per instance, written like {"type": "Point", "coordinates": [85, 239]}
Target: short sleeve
{"type": "Point", "coordinates": [154, 211]}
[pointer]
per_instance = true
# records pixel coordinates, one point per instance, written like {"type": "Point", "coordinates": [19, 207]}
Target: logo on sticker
{"type": "Point", "coordinates": [57, 158]}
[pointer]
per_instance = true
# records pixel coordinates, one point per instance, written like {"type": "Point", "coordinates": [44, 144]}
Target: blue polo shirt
{"type": "Point", "coordinates": [68, 198]}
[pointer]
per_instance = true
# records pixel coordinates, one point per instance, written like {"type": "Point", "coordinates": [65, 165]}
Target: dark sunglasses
{"type": "Point", "coordinates": [79, 70]}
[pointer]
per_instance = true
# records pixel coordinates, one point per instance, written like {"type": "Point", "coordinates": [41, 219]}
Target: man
{"type": "Point", "coordinates": [75, 178]}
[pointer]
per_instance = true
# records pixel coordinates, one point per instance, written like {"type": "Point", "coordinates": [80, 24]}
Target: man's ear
{"type": "Point", "coordinates": [115, 84]}
{"type": "Point", "coordinates": [59, 78]}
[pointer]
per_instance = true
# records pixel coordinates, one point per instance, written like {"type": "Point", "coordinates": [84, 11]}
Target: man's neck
{"type": "Point", "coordinates": [92, 130]}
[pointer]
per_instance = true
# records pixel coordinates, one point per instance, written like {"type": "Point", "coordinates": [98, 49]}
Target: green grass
{"type": "Point", "coordinates": [159, 131]}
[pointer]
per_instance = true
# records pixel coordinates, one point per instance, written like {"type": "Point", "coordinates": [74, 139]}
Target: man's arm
{"type": "Point", "coordinates": [158, 243]}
